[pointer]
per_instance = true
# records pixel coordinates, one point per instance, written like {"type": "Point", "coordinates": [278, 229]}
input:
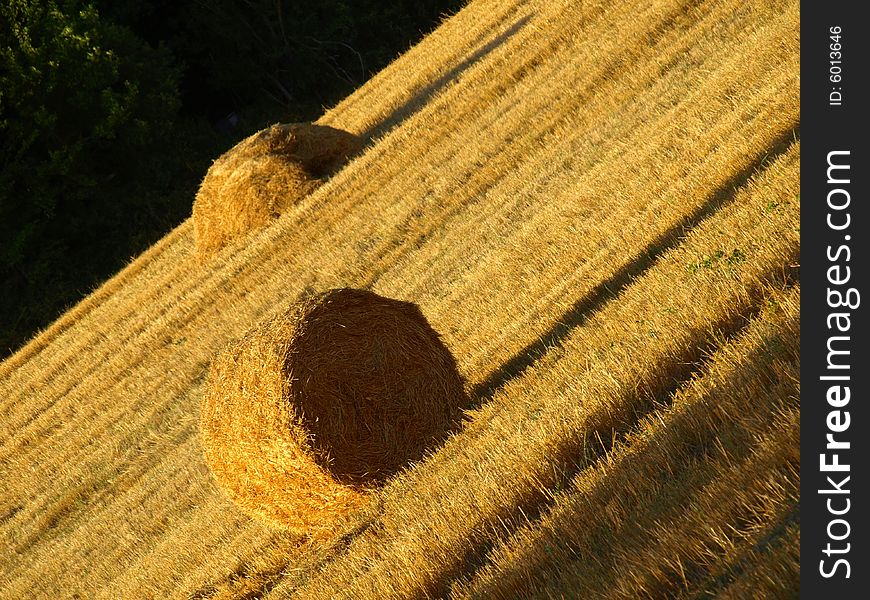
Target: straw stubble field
{"type": "Point", "coordinates": [597, 206]}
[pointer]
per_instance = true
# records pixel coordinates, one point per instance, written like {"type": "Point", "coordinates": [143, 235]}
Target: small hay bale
{"type": "Point", "coordinates": [312, 409]}
{"type": "Point", "coordinates": [262, 176]}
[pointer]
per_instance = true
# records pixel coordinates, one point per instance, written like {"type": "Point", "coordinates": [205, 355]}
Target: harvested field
{"type": "Point", "coordinates": [597, 206]}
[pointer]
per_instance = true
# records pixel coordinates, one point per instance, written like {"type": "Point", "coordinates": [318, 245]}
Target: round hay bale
{"type": "Point", "coordinates": [313, 408]}
{"type": "Point", "coordinates": [262, 176]}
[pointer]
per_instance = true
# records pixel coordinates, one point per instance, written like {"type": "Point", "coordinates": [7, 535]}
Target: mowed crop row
{"type": "Point", "coordinates": [543, 155]}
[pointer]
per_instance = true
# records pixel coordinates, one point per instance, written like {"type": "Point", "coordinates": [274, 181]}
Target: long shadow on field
{"type": "Point", "coordinates": [604, 430]}
{"type": "Point", "coordinates": [607, 290]}
{"type": "Point", "coordinates": [674, 484]}
{"type": "Point", "coordinates": [772, 538]}
{"type": "Point", "coordinates": [422, 96]}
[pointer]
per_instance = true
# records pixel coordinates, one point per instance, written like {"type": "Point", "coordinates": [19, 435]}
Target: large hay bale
{"type": "Point", "coordinates": [262, 176]}
{"type": "Point", "coordinates": [318, 405]}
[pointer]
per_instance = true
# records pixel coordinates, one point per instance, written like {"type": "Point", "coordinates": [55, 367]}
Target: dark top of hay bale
{"type": "Point", "coordinates": [263, 175]}
{"type": "Point", "coordinates": [326, 400]}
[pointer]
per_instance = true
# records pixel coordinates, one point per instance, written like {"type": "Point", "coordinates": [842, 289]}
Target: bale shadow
{"type": "Point", "coordinates": [535, 557]}
{"type": "Point", "coordinates": [422, 96]}
{"type": "Point", "coordinates": [605, 291]}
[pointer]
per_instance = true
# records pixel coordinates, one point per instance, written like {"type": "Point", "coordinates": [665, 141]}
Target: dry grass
{"type": "Point", "coordinates": [563, 188]}
{"type": "Point", "coordinates": [262, 176]}
{"type": "Point", "coordinates": [327, 399]}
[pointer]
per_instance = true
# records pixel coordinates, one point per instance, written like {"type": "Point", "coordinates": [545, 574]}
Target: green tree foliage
{"type": "Point", "coordinates": [86, 108]}
{"type": "Point", "coordinates": [289, 55]}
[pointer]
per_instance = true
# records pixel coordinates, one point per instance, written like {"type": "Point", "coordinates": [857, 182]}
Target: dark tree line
{"type": "Point", "coordinates": [111, 111]}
